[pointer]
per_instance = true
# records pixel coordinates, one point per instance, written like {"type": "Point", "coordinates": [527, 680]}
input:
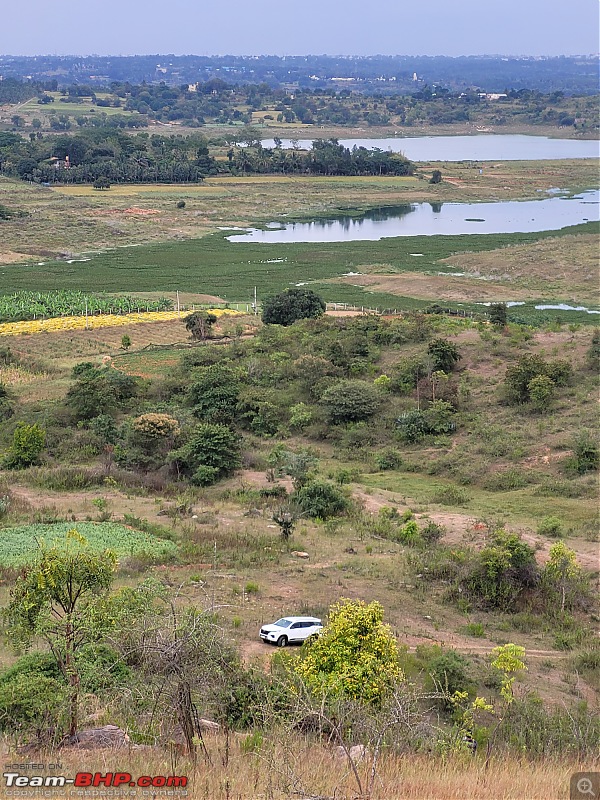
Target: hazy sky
{"type": "Point", "coordinates": [288, 27]}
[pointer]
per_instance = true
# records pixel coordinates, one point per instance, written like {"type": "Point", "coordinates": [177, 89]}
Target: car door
{"type": "Point", "coordinates": [296, 632]}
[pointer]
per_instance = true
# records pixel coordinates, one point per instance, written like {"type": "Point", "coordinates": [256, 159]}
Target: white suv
{"type": "Point", "coordinates": [290, 629]}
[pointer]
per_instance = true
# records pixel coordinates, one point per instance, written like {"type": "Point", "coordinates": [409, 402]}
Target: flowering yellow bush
{"type": "Point", "coordinates": [101, 321]}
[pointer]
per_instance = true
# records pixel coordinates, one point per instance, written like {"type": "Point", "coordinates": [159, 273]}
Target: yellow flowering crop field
{"type": "Point", "coordinates": [99, 321]}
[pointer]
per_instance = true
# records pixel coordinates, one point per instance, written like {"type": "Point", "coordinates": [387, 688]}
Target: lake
{"type": "Point", "coordinates": [479, 147]}
{"type": "Point", "coordinates": [436, 219]}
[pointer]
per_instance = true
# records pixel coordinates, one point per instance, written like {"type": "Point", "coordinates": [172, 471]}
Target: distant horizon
{"type": "Point", "coordinates": [301, 55]}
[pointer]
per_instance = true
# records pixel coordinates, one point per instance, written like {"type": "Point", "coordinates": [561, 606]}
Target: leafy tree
{"type": "Point", "coordinates": [101, 183]}
{"type": "Point", "coordinates": [498, 314]}
{"type": "Point", "coordinates": [181, 204]}
{"type": "Point", "coordinates": [98, 391]}
{"type": "Point", "coordinates": [350, 401]}
{"type": "Point", "coordinates": [356, 656]}
{"type": "Point", "coordinates": [56, 599]}
{"type": "Point", "coordinates": [508, 659]}
{"type": "Point", "coordinates": [27, 445]}
{"type": "Point", "coordinates": [436, 176]}
{"type": "Point", "coordinates": [125, 342]}
{"type": "Point", "coordinates": [199, 324]}
{"type": "Point", "coordinates": [562, 576]}
{"type": "Point", "coordinates": [214, 392]}
{"type": "Point", "coordinates": [291, 305]}
{"type": "Point", "coordinates": [444, 355]}
{"type": "Point", "coordinates": [211, 452]}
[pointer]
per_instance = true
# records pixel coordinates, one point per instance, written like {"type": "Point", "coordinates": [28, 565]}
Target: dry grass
{"type": "Point", "coordinates": [70, 221]}
{"type": "Point", "coordinates": [304, 770]}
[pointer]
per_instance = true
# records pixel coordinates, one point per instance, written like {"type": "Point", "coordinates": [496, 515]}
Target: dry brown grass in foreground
{"type": "Point", "coordinates": [273, 772]}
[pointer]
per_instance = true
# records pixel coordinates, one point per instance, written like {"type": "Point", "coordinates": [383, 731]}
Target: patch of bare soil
{"type": "Point", "coordinates": [438, 287]}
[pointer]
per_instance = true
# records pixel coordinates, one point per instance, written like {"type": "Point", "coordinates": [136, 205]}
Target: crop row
{"type": "Point", "coordinates": [90, 323]}
{"type": "Point", "coordinates": [19, 545]}
{"type": "Point", "coordinates": [35, 305]}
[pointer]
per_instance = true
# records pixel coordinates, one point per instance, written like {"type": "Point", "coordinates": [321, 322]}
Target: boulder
{"type": "Point", "coordinates": [109, 736]}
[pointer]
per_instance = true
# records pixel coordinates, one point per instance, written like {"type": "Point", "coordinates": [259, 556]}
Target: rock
{"type": "Point", "coordinates": [300, 554]}
{"type": "Point", "coordinates": [357, 752]}
{"type": "Point", "coordinates": [109, 736]}
{"type": "Point", "coordinates": [253, 512]}
{"type": "Point", "coordinates": [209, 725]}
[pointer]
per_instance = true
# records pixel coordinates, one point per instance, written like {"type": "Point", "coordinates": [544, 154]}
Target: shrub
{"type": "Point", "coordinates": [199, 324]}
{"type": "Point", "coordinates": [32, 704]}
{"type": "Point", "coordinates": [350, 401]}
{"type": "Point", "coordinates": [99, 391]}
{"type": "Point", "coordinates": [451, 496]}
{"type": "Point", "coordinates": [501, 572]}
{"type": "Point", "coordinates": [586, 454]}
{"type": "Point", "coordinates": [211, 452]}
{"type": "Point", "coordinates": [498, 314]}
{"type": "Point", "coordinates": [541, 391]}
{"type": "Point", "coordinates": [6, 409]}
{"type": "Point", "coordinates": [320, 499]}
{"type": "Point", "coordinates": [356, 656]}
{"type": "Point", "coordinates": [550, 526]}
{"type": "Point", "coordinates": [214, 393]}
{"type": "Point", "coordinates": [448, 672]}
{"type": "Point", "coordinates": [475, 629]}
{"type": "Point", "coordinates": [409, 533]}
{"type": "Point", "coordinates": [27, 445]}
{"type": "Point", "coordinates": [443, 354]}
{"type": "Point", "coordinates": [388, 460]}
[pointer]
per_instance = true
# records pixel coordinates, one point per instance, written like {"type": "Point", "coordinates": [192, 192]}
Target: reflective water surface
{"type": "Point", "coordinates": [431, 219]}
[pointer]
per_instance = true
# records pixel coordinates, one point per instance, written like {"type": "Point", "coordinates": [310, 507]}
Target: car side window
{"type": "Point", "coordinates": [296, 625]}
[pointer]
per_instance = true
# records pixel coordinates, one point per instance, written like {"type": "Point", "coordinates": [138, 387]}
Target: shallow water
{"type": "Point", "coordinates": [478, 147]}
{"type": "Point", "coordinates": [436, 219]}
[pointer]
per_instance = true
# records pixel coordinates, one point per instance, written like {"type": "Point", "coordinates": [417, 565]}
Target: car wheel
{"type": "Point", "coordinates": [282, 641]}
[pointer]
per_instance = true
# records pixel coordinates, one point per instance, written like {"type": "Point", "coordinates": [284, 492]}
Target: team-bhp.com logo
{"type": "Point", "coordinates": [15, 780]}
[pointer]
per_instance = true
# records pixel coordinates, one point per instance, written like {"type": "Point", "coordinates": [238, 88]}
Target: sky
{"type": "Point", "coordinates": [333, 27]}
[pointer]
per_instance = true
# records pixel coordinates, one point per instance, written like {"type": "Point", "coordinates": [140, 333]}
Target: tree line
{"type": "Point", "coordinates": [120, 157]}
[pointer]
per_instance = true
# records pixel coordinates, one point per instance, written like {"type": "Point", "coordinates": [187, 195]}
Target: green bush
{"type": "Point", "coordinates": [350, 401]}
{"type": "Point", "coordinates": [586, 455]}
{"type": "Point", "coordinates": [550, 526]}
{"type": "Point", "coordinates": [388, 460]}
{"type": "Point", "coordinates": [211, 452]}
{"type": "Point", "coordinates": [27, 445]}
{"type": "Point", "coordinates": [444, 355]}
{"type": "Point", "coordinates": [291, 305]}
{"type": "Point", "coordinates": [320, 499]}
{"type": "Point", "coordinates": [501, 572]}
{"type": "Point", "coordinates": [32, 704]}
{"type": "Point", "coordinates": [451, 496]}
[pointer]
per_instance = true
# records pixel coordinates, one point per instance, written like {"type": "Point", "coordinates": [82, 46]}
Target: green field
{"type": "Point", "coordinates": [213, 265]}
{"type": "Point", "coordinates": [32, 107]}
{"type": "Point", "coordinates": [20, 545]}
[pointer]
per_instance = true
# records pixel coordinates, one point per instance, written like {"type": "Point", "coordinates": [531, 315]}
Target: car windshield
{"type": "Point", "coordinates": [283, 623]}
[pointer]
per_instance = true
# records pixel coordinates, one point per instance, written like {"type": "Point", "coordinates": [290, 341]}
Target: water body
{"type": "Point", "coordinates": [437, 219]}
{"type": "Point", "coordinates": [480, 147]}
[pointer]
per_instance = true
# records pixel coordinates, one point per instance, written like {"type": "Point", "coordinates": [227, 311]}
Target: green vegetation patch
{"type": "Point", "coordinates": [20, 545]}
